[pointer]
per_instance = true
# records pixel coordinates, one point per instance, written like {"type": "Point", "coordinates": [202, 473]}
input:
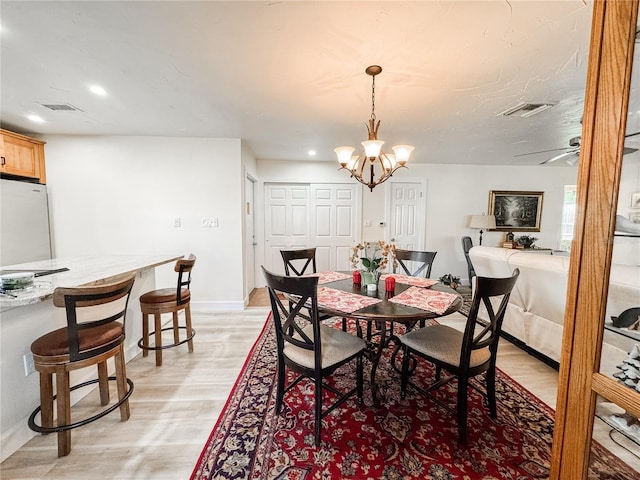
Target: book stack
{"type": "Point", "coordinates": [511, 245]}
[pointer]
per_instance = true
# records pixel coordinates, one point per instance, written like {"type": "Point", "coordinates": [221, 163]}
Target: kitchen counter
{"type": "Point", "coordinates": [32, 314]}
{"type": "Point", "coordinates": [81, 271]}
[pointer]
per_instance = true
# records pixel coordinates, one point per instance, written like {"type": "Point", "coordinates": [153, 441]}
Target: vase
{"type": "Point", "coordinates": [370, 278]}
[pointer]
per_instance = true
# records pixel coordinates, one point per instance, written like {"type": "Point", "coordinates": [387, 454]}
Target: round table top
{"type": "Point", "coordinates": [386, 310]}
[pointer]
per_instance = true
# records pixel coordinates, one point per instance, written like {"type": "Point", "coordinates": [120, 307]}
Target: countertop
{"type": "Point", "coordinates": [82, 270]}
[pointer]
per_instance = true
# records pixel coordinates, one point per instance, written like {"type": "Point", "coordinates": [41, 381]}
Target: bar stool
{"type": "Point", "coordinates": [168, 300]}
{"type": "Point", "coordinates": [92, 336]}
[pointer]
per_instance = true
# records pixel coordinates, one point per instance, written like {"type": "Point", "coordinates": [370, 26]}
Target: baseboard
{"type": "Point", "coordinates": [534, 353]}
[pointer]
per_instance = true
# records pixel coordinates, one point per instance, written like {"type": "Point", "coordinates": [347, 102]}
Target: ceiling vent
{"type": "Point", "coordinates": [525, 109]}
{"type": "Point", "coordinates": [63, 107]}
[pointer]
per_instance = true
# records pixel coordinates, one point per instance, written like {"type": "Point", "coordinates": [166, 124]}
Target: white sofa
{"type": "Point", "coordinates": [535, 313]}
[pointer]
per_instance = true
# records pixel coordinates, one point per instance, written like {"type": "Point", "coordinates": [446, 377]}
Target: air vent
{"type": "Point", "coordinates": [525, 109]}
{"type": "Point", "coordinates": [62, 107]}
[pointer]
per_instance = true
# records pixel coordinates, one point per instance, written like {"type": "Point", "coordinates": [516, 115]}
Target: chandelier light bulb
{"type": "Point", "coordinates": [372, 147]}
{"type": "Point", "coordinates": [403, 152]}
{"type": "Point", "coordinates": [389, 161]}
{"type": "Point", "coordinates": [344, 155]}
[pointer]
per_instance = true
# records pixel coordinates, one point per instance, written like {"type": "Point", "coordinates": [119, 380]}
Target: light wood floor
{"type": "Point", "coordinates": [174, 407]}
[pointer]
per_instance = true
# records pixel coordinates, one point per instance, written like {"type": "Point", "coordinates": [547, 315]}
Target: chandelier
{"type": "Point", "coordinates": [373, 154]}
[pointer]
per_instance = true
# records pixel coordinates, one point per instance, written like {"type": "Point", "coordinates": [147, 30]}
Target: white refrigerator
{"type": "Point", "coordinates": [24, 223]}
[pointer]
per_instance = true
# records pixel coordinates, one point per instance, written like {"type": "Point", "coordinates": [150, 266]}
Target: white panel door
{"type": "Point", "coordinates": [334, 216]}
{"type": "Point", "coordinates": [286, 222]}
{"type": "Point", "coordinates": [407, 218]}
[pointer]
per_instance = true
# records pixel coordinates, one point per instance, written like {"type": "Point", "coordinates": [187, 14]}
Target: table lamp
{"type": "Point", "coordinates": [483, 222]}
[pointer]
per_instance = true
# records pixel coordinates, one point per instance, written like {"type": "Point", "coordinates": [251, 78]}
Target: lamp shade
{"type": "Point", "coordinates": [372, 147]}
{"type": "Point", "coordinates": [484, 222]}
{"type": "Point", "coordinates": [402, 153]}
{"type": "Point", "coordinates": [344, 154]}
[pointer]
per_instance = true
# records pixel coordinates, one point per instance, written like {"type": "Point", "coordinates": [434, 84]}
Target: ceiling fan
{"type": "Point", "coordinates": [572, 152]}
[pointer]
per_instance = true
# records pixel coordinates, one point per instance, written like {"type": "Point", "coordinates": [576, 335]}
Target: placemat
{"type": "Point", "coordinates": [407, 280]}
{"type": "Point", "coordinates": [343, 301]}
{"type": "Point", "coordinates": [425, 299]}
{"type": "Point", "coordinates": [327, 277]}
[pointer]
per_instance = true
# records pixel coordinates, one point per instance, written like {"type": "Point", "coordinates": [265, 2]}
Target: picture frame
{"type": "Point", "coordinates": [516, 211]}
{"type": "Point", "coordinates": [634, 217]}
{"type": "Point", "coordinates": [635, 200]}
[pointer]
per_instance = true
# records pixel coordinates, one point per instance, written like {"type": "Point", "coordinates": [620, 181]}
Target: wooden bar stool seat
{"type": "Point", "coordinates": [168, 300]}
{"type": "Point", "coordinates": [91, 337]}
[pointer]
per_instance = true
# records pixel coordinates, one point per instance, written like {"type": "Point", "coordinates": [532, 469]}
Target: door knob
{"type": "Point", "coordinates": [393, 239]}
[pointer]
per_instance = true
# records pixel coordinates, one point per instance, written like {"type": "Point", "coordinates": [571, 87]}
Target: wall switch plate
{"type": "Point", "coordinates": [367, 223]}
{"type": "Point", "coordinates": [177, 222]}
{"type": "Point", "coordinates": [209, 222]}
{"type": "Point", "coordinates": [29, 366]}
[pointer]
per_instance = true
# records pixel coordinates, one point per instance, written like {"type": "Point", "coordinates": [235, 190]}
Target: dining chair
{"type": "Point", "coordinates": [423, 260]}
{"type": "Point", "coordinates": [463, 354]}
{"type": "Point", "coordinates": [168, 300]}
{"type": "Point", "coordinates": [467, 243]}
{"type": "Point", "coordinates": [293, 259]}
{"type": "Point", "coordinates": [309, 348]}
{"type": "Point", "coordinates": [95, 332]}
{"type": "Point", "coordinates": [293, 264]}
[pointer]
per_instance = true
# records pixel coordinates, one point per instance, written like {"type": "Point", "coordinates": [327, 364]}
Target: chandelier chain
{"type": "Point", "coordinates": [373, 98]}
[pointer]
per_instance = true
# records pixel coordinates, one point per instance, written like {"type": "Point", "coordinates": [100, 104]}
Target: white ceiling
{"type": "Point", "coordinates": [289, 76]}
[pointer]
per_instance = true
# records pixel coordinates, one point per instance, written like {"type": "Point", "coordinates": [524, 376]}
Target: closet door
{"type": "Point", "coordinates": [581, 381]}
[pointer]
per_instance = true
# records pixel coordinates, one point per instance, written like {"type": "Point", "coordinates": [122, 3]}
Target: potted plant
{"type": "Point", "coordinates": [374, 257]}
{"type": "Point", "coordinates": [527, 241]}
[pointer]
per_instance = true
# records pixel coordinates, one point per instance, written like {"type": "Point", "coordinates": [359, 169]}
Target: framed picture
{"type": "Point", "coordinates": [635, 200]}
{"type": "Point", "coordinates": [634, 217]}
{"type": "Point", "coordinates": [516, 211]}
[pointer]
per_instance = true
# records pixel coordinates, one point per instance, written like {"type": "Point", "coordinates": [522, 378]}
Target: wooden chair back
{"type": "Point", "coordinates": [73, 299]}
{"type": "Point", "coordinates": [480, 332]}
{"type": "Point", "coordinates": [294, 258]}
{"type": "Point", "coordinates": [288, 330]}
{"type": "Point", "coordinates": [424, 259]}
{"type": "Point", "coordinates": [184, 267]}
{"type": "Point", "coordinates": [467, 243]}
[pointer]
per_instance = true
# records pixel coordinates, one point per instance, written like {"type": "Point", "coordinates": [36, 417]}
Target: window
{"type": "Point", "coordinates": [568, 217]}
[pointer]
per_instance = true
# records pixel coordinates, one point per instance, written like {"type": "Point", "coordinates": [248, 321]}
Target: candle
{"type": "Point", "coordinates": [390, 284]}
{"type": "Point", "coordinates": [357, 278]}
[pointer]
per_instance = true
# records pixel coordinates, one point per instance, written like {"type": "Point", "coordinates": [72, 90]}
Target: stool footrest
{"type": "Point", "coordinates": [163, 347]}
{"type": "Point", "coordinates": [61, 428]}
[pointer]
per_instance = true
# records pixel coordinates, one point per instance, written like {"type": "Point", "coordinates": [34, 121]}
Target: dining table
{"type": "Point", "coordinates": [412, 300]}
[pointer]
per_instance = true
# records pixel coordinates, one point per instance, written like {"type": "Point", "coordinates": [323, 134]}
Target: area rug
{"type": "Point", "coordinates": [403, 439]}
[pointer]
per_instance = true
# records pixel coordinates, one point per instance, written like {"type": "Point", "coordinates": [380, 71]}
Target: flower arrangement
{"type": "Point", "coordinates": [374, 256]}
{"type": "Point", "coordinates": [527, 241]}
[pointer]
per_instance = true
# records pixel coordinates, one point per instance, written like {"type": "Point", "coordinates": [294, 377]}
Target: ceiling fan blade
{"type": "Point", "coordinates": [628, 150]}
{"type": "Point", "coordinates": [632, 134]}
{"type": "Point", "coordinates": [561, 156]}
{"type": "Point", "coordinates": [541, 151]}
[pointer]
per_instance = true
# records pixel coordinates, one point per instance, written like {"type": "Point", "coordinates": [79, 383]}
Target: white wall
{"type": "Point", "coordinates": [120, 195]}
{"type": "Point", "coordinates": [453, 193]}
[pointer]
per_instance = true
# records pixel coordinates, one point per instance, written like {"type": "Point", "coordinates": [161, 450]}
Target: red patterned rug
{"type": "Point", "coordinates": [404, 439]}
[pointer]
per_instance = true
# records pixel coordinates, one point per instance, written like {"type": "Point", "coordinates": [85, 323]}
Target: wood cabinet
{"type": "Point", "coordinates": [22, 156]}
{"type": "Point", "coordinates": [601, 151]}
